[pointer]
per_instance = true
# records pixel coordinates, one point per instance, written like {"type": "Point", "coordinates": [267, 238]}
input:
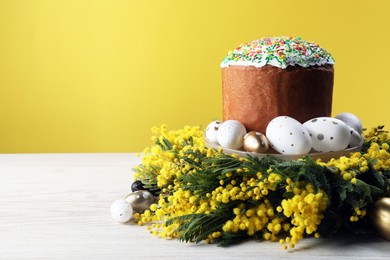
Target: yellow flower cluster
{"type": "Point", "coordinates": [306, 208]}
{"type": "Point", "coordinates": [178, 204]}
{"type": "Point", "coordinates": [377, 158]}
{"type": "Point", "coordinates": [376, 134]}
{"type": "Point", "coordinates": [254, 213]}
{"type": "Point", "coordinates": [167, 162]}
{"type": "Point", "coordinates": [298, 215]}
{"type": "Point", "coordinates": [378, 155]}
{"type": "Point", "coordinates": [168, 167]}
{"type": "Point", "coordinates": [251, 219]}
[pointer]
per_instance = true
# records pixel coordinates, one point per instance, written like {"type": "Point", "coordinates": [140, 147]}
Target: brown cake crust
{"type": "Point", "coordinates": [254, 96]}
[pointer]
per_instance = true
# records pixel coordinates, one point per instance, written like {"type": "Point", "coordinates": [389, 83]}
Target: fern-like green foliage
{"type": "Point", "coordinates": [197, 227]}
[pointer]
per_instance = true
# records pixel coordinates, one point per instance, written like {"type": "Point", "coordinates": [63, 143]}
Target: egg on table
{"type": "Point", "coordinates": [121, 211]}
{"type": "Point", "coordinates": [230, 134]}
{"type": "Point", "coordinates": [288, 136]}
{"type": "Point", "coordinates": [380, 217]}
{"type": "Point", "coordinates": [328, 134]}
{"type": "Point", "coordinates": [140, 200]}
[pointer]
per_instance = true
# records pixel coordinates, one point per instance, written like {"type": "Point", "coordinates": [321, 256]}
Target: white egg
{"type": "Point", "coordinates": [230, 134]}
{"type": "Point", "coordinates": [121, 211]}
{"type": "Point", "coordinates": [356, 138]}
{"type": "Point", "coordinates": [328, 134]}
{"type": "Point", "coordinates": [351, 120]}
{"type": "Point", "coordinates": [287, 136]}
{"type": "Point", "coordinates": [211, 131]}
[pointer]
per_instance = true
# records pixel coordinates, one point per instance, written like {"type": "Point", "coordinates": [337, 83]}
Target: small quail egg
{"type": "Point", "coordinates": [356, 138]}
{"type": "Point", "coordinates": [121, 211]}
{"type": "Point", "coordinates": [211, 131]}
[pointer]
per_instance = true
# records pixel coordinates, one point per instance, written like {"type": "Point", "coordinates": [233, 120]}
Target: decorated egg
{"type": "Point", "coordinates": [328, 134]}
{"type": "Point", "coordinates": [380, 217]}
{"type": "Point", "coordinates": [211, 131]}
{"type": "Point", "coordinates": [351, 120]}
{"type": "Point", "coordinates": [356, 138]}
{"type": "Point", "coordinates": [137, 185]}
{"type": "Point", "coordinates": [230, 134]}
{"type": "Point", "coordinates": [255, 142]}
{"type": "Point", "coordinates": [121, 211]}
{"type": "Point", "coordinates": [140, 200]}
{"type": "Point", "coordinates": [287, 136]}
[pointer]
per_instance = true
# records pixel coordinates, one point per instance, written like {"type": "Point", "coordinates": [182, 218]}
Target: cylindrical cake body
{"type": "Point", "coordinates": [256, 95]}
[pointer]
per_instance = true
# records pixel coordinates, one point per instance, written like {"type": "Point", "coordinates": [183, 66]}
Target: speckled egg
{"type": "Point", "coordinates": [121, 211]}
{"type": "Point", "coordinates": [356, 138]}
{"type": "Point", "coordinates": [230, 134]}
{"type": "Point", "coordinates": [351, 120]}
{"type": "Point", "coordinates": [287, 136]}
{"type": "Point", "coordinates": [211, 131]}
{"type": "Point", "coordinates": [328, 134]}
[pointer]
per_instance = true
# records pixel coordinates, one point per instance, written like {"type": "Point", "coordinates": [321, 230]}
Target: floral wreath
{"type": "Point", "coordinates": [203, 194]}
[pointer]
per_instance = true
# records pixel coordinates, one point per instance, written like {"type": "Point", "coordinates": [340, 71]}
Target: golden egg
{"type": "Point", "coordinates": [255, 142]}
{"type": "Point", "coordinates": [140, 200]}
{"type": "Point", "coordinates": [380, 217]}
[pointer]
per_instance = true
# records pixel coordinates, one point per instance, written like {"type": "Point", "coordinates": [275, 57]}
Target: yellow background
{"type": "Point", "coordinates": [95, 76]}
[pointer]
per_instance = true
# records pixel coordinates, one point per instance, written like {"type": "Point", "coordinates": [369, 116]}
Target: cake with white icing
{"type": "Point", "coordinates": [276, 76]}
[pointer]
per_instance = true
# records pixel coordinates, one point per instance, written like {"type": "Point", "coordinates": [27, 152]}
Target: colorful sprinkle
{"type": "Point", "coordinates": [279, 52]}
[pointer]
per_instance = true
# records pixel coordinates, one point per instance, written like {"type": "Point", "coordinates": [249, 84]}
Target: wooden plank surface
{"type": "Point", "coordinates": [56, 206]}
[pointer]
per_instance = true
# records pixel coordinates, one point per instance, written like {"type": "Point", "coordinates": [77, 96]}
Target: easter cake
{"type": "Point", "coordinates": [276, 76]}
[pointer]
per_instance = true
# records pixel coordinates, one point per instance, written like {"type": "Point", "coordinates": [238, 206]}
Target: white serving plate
{"type": "Point", "coordinates": [287, 157]}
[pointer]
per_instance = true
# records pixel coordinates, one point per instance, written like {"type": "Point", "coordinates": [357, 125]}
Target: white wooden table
{"type": "Point", "coordinates": [58, 206]}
